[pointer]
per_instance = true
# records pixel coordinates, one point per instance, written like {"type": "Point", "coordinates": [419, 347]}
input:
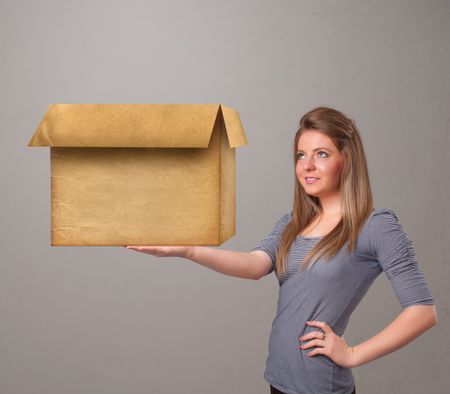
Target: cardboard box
{"type": "Point", "coordinates": [141, 174]}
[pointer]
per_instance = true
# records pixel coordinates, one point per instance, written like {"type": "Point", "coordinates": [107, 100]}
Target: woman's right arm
{"type": "Point", "coordinates": [246, 265]}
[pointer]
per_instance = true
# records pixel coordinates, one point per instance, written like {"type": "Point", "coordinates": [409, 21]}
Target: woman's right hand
{"type": "Point", "coordinates": [228, 262]}
{"type": "Point", "coordinates": [164, 251]}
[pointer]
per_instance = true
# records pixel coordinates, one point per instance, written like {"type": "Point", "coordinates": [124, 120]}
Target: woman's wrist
{"type": "Point", "coordinates": [190, 253]}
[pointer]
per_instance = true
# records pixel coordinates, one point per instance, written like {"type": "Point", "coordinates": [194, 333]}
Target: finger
{"type": "Point", "coordinates": [140, 249]}
{"type": "Point", "coordinates": [146, 248]}
{"type": "Point", "coordinates": [312, 334]}
{"type": "Point", "coordinates": [313, 342]}
{"type": "Point", "coordinates": [315, 352]}
{"type": "Point", "coordinates": [324, 326]}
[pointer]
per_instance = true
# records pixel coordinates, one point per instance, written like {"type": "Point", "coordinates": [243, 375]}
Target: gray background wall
{"type": "Point", "coordinates": [109, 320]}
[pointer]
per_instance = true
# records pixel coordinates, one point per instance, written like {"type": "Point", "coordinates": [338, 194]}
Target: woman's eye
{"type": "Point", "coordinates": [299, 156]}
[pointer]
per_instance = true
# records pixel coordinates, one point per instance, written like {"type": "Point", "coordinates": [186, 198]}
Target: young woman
{"type": "Point", "coordinates": [326, 253]}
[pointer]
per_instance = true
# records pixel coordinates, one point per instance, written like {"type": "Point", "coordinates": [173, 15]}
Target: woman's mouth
{"type": "Point", "coordinates": [311, 180]}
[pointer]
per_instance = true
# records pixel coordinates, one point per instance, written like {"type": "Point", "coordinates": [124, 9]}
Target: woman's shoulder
{"type": "Point", "coordinates": [385, 211]}
{"type": "Point", "coordinates": [385, 228]}
{"type": "Point", "coordinates": [285, 217]}
{"type": "Point", "coordinates": [382, 217]}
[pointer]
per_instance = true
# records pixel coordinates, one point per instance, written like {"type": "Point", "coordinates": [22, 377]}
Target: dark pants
{"type": "Point", "coordinates": [273, 390]}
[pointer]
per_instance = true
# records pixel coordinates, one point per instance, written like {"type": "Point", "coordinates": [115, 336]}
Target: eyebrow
{"type": "Point", "coordinates": [314, 149]}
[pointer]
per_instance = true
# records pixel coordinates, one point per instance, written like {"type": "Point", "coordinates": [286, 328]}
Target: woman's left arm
{"type": "Point", "coordinates": [409, 324]}
{"type": "Point", "coordinates": [395, 253]}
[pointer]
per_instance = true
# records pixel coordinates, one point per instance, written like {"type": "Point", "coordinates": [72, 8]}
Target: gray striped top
{"type": "Point", "coordinates": [329, 291]}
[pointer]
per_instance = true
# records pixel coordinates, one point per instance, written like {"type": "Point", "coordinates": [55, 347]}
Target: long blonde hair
{"type": "Point", "coordinates": [356, 193]}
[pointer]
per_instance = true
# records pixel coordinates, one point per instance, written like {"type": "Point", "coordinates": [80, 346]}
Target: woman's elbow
{"type": "Point", "coordinates": [426, 314]}
{"type": "Point", "coordinates": [431, 316]}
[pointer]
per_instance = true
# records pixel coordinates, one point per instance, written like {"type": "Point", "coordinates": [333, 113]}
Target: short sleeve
{"type": "Point", "coordinates": [271, 242]}
{"type": "Point", "coordinates": [396, 255]}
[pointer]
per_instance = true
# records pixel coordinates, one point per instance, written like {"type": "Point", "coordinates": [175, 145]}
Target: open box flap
{"type": "Point", "coordinates": [135, 125]}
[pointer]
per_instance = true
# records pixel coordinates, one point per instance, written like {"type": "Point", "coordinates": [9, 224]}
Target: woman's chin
{"type": "Point", "coordinates": [312, 193]}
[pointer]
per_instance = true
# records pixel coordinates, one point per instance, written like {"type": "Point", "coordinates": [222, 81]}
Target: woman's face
{"type": "Point", "coordinates": [318, 157]}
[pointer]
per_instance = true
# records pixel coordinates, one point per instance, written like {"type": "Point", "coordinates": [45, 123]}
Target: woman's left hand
{"type": "Point", "coordinates": [329, 344]}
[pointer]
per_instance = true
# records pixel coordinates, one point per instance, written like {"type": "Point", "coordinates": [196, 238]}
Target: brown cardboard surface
{"type": "Point", "coordinates": [227, 186]}
{"type": "Point", "coordinates": [105, 196]}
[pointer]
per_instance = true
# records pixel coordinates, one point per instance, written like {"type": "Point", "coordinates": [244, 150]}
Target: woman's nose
{"type": "Point", "coordinates": [308, 164]}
